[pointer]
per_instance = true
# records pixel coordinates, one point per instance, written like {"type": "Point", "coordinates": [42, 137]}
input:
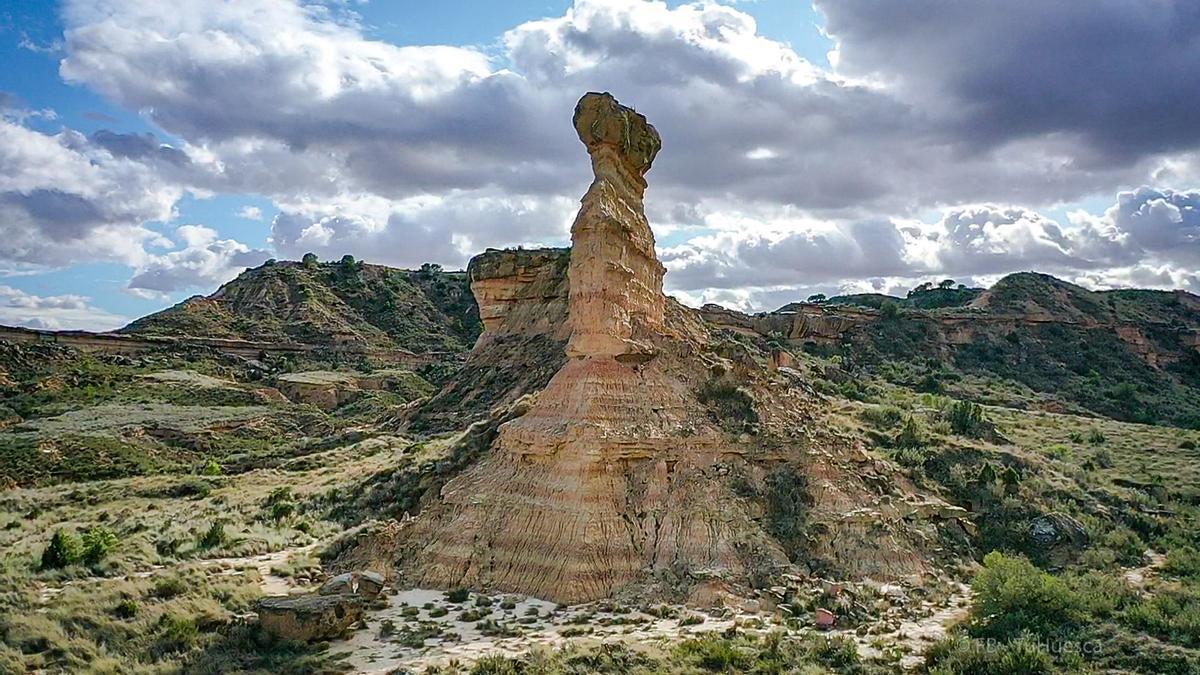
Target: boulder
{"type": "Point", "coordinates": [308, 618]}
{"type": "Point", "coordinates": [1056, 529]}
{"type": "Point", "coordinates": [824, 619]}
{"type": "Point", "coordinates": [367, 585]}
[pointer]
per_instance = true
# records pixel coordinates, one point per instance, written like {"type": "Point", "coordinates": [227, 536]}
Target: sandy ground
{"type": "Point", "coordinates": [528, 624]}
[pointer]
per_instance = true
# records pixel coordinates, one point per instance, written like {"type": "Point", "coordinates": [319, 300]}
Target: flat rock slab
{"type": "Point", "coordinates": [308, 618]}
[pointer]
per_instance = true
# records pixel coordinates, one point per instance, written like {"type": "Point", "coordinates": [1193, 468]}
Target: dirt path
{"type": "Point", "coordinates": [912, 637]}
{"type": "Point", "coordinates": [1138, 576]}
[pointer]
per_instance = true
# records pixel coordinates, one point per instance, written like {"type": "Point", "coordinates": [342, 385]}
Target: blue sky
{"type": "Point", "coordinates": [159, 149]}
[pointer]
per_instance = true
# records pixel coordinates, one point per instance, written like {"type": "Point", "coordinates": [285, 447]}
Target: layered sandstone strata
{"type": "Point", "coordinates": [598, 481]}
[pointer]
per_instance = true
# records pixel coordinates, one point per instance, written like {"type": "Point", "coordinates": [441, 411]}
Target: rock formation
{"type": "Point", "coordinates": [659, 459]}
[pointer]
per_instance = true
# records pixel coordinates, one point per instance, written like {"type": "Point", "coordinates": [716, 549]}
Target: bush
{"type": "Point", "coordinates": [214, 536]}
{"type": "Point", "coordinates": [1096, 437]}
{"type": "Point", "coordinates": [176, 634]}
{"type": "Point", "coordinates": [63, 550]}
{"type": "Point", "coordinates": [97, 542]}
{"type": "Point", "coordinates": [714, 653]}
{"type": "Point", "coordinates": [281, 510]}
{"type": "Point", "coordinates": [730, 405]}
{"type": "Point", "coordinates": [966, 419]}
{"type": "Point", "coordinates": [126, 609]}
{"type": "Point", "coordinates": [1183, 562]}
{"type": "Point", "coordinates": [1013, 596]}
{"type": "Point", "coordinates": [884, 417]}
{"type": "Point", "coordinates": [211, 468]}
{"type": "Point", "coordinates": [958, 654]}
{"type": "Point", "coordinates": [457, 596]}
{"type": "Point", "coordinates": [170, 587]}
{"type": "Point", "coordinates": [1187, 444]}
{"type": "Point", "coordinates": [912, 436]}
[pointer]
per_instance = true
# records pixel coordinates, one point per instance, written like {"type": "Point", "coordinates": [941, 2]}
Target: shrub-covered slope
{"type": "Point", "coordinates": [330, 303]}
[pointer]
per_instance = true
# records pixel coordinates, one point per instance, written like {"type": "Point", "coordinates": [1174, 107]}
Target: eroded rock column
{"type": "Point", "coordinates": [616, 279]}
{"type": "Point", "coordinates": [598, 483]}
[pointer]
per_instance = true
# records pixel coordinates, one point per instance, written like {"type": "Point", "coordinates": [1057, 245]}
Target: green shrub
{"type": "Point", "coordinates": [730, 405]}
{"type": "Point", "coordinates": [1172, 613]}
{"type": "Point", "coordinates": [211, 468]}
{"type": "Point", "coordinates": [966, 419]}
{"type": "Point", "coordinates": [458, 595]}
{"type": "Point", "coordinates": [714, 653]}
{"type": "Point", "coordinates": [1012, 596]}
{"type": "Point", "coordinates": [126, 609]}
{"type": "Point", "coordinates": [1096, 437]}
{"type": "Point", "coordinates": [280, 494]}
{"type": "Point", "coordinates": [1187, 444]}
{"type": "Point", "coordinates": [958, 655]}
{"type": "Point", "coordinates": [495, 664]}
{"type": "Point", "coordinates": [63, 550]}
{"type": "Point", "coordinates": [281, 510]}
{"type": "Point", "coordinates": [176, 634]}
{"type": "Point", "coordinates": [911, 436]}
{"type": "Point", "coordinates": [214, 536]}
{"type": "Point", "coordinates": [170, 587]}
{"type": "Point", "coordinates": [97, 542]}
{"type": "Point", "coordinates": [1183, 562]}
{"type": "Point", "coordinates": [884, 417]}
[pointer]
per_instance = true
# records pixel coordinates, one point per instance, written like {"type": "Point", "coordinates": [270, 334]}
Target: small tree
{"type": "Point", "coordinates": [63, 550]}
{"type": "Point", "coordinates": [309, 260]}
{"type": "Point", "coordinates": [966, 418]}
{"type": "Point", "coordinates": [97, 542]}
{"type": "Point", "coordinates": [889, 310]}
{"type": "Point", "coordinates": [946, 284]}
{"type": "Point", "coordinates": [817, 298]}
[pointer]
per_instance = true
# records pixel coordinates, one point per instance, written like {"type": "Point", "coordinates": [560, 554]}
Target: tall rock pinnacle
{"type": "Point", "coordinates": [616, 280]}
{"type": "Point", "coordinates": [642, 468]}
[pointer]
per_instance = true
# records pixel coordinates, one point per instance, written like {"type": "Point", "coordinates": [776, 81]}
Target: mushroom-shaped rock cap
{"type": "Point", "coordinates": [600, 120]}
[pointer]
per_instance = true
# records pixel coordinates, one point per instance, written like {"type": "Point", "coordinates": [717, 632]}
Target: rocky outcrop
{"type": "Point", "coordinates": [330, 389]}
{"type": "Point", "coordinates": [658, 460]}
{"type": "Point", "coordinates": [521, 292]}
{"type": "Point", "coordinates": [522, 296]}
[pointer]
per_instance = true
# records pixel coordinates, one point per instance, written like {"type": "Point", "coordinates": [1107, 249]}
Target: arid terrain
{"type": "Point", "coordinates": [543, 464]}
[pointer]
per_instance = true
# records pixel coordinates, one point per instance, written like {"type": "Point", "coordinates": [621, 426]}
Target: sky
{"type": "Point", "coordinates": [150, 151]}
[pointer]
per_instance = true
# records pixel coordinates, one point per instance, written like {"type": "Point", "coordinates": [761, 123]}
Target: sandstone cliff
{"type": "Point", "coordinates": [522, 299]}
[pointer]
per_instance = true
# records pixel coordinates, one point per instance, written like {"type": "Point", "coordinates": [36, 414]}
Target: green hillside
{"type": "Point", "coordinates": [330, 303]}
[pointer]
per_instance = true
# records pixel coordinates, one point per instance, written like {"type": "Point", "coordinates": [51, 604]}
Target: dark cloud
{"type": "Point", "coordinates": [61, 215]}
{"type": "Point", "coordinates": [1120, 74]}
{"type": "Point", "coordinates": [139, 146]}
